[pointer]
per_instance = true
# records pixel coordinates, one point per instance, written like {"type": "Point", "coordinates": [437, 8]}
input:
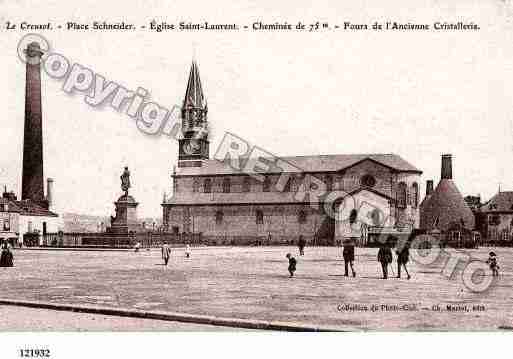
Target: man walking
{"type": "Point", "coordinates": [301, 243]}
{"type": "Point", "coordinates": [403, 255]}
{"type": "Point", "coordinates": [166, 253]}
{"type": "Point", "coordinates": [348, 254]}
{"type": "Point", "coordinates": [385, 257]}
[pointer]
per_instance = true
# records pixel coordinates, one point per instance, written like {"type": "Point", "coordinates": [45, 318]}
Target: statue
{"type": "Point", "coordinates": [125, 181]}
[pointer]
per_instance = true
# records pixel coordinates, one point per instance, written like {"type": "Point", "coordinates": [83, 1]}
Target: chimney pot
{"type": "Point", "coordinates": [49, 192]}
{"type": "Point", "coordinates": [446, 166]}
{"type": "Point", "coordinates": [429, 187]}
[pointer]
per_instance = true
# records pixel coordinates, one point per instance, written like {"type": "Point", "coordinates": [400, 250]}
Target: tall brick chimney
{"type": "Point", "coordinates": [429, 187]}
{"type": "Point", "coordinates": [49, 192]}
{"type": "Point", "coordinates": [446, 167]}
{"type": "Point", "coordinates": [32, 178]}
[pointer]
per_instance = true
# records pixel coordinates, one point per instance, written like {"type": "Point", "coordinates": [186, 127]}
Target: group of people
{"type": "Point", "coordinates": [385, 257]}
{"type": "Point", "coordinates": [6, 257]}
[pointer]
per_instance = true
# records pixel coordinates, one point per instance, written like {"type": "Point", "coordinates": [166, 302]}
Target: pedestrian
{"type": "Point", "coordinates": [301, 243]}
{"type": "Point", "coordinates": [187, 251]}
{"type": "Point", "coordinates": [403, 255]}
{"type": "Point", "coordinates": [6, 257]}
{"type": "Point", "coordinates": [137, 247]}
{"type": "Point", "coordinates": [166, 252]}
{"type": "Point", "coordinates": [348, 254]}
{"type": "Point", "coordinates": [292, 264]}
{"type": "Point", "coordinates": [385, 258]}
{"type": "Point", "coordinates": [492, 261]}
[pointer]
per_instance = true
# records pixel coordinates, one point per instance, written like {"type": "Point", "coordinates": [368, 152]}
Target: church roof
{"type": "Point", "coordinates": [501, 202]}
{"type": "Point", "coordinates": [274, 197]}
{"type": "Point", "coordinates": [194, 93]}
{"type": "Point", "coordinates": [446, 206]}
{"type": "Point", "coordinates": [300, 164]}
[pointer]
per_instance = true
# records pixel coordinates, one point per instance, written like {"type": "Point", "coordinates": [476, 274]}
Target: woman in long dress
{"type": "Point", "coordinates": [6, 258]}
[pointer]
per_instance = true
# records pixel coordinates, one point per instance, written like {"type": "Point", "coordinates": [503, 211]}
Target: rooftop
{"type": "Point", "coordinates": [297, 164]}
{"type": "Point", "coordinates": [501, 202]}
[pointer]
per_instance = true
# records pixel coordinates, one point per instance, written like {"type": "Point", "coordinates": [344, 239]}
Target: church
{"type": "Point", "coordinates": [324, 198]}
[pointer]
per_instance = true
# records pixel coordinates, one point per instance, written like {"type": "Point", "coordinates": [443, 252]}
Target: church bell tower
{"type": "Point", "coordinates": [194, 145]}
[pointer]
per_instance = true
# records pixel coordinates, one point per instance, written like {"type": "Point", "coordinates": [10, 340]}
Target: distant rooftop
{"type": "Point", "coordinates": [501, 202]}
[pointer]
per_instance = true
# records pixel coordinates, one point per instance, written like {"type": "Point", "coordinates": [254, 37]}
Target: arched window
{"type": "Point", "coordinates": [259, 217]}
{"type": "Point", "coordinates": [295, 182]}
{"type": "Point", "coordinates": [368, 180]}
{"type": "Point", "coordinates": [266, 186]}
{"type": "Point", "coordinates": [415, 194]}
{"type": "Point", "coordinates": [195, 185]}
{"type": "Point", "coordinates": [376, 217]}
{"type": "Point", "coordinates": [219, 217]}
{"type": "Point", "coordinates": [226, 185]}
{"type": "Point", "coordinates": [286, 188]}
{"type": "Point", "coordinates": [207, 185]}
{"type": "Point", "coordinates": [328, 181]}
{"type": "Point", "coordinates": [401, 195]}
{"type": "Point", "coordinates": [246, 184]}
{"type": "Point", "coordinates": [353, 215]}
{"type": "Point", "coordinates": [301, 216]}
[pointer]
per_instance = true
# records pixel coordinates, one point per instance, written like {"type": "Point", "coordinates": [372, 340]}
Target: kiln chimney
{"type": "Point", "coordinates": [429, 187]}
{"type": "Point", "coordinates": [446, 167]}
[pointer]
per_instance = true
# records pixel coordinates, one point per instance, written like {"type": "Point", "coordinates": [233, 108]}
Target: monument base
{"type": "Point", "coordinates": [125, 220]}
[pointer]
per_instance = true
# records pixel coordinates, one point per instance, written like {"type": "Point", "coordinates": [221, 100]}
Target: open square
{"type": "Point", "coordinates": [253, 283]}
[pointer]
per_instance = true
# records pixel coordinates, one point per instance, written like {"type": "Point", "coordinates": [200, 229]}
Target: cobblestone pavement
{"type": "Point", "coordinates": [15, 318]}
{"type": "Point", "coordinates": [253, 283]}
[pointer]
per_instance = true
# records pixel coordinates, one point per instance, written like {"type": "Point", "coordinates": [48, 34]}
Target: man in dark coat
{"type": "Point", "coordinates": [301, 243]}
{"type": "Point", "coordinates": [166, 253]}
{"type": "Point", "coordinates": [403, 255]}
{"type": "Point", "coordinates": [292, 264]}
{"type": "Point", "coordinates": [385, 258]}
{"type": "Point", "coordinates": [348, 254]}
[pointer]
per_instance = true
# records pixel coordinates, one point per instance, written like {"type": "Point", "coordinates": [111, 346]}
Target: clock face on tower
{"type": "Point", "coordinates": [191, 147]}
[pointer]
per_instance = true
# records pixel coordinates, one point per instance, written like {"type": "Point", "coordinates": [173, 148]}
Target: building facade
{"type": "Point", "coordinates": [496, 218]}
{"type": "Point", "coordinates": [311, 196]}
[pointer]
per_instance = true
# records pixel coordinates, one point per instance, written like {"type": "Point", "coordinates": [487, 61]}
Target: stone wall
{"type": "Point", "coordinates": [280, 223]}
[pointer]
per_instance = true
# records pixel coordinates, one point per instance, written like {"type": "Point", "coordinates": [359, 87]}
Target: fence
{"type": "Point", "coordinates": [107, 240]}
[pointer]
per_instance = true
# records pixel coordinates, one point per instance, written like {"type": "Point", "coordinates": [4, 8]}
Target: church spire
{"type": "Point", "coordinates": [194, 97]}
{"type": "Point", "coordinates": [194, 144]}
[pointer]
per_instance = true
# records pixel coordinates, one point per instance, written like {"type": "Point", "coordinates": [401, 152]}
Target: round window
{"type": "Point", "coordinates": [368, 181]}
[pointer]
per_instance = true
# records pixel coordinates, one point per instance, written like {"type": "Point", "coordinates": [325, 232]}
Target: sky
{"type": "Point", "coordinates": [416, 94]}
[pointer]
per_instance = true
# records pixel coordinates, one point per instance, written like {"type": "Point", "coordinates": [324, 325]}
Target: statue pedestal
{"type": "Point", "coordinates": [125, 220]}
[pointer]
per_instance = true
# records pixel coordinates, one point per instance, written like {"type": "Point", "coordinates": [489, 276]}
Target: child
{"type": "Point", "coordinates": [292, 264]}
{"type": "Point", "coordinates": [187, 251]}
{"type": "Point", "coordinates": [492, 261]}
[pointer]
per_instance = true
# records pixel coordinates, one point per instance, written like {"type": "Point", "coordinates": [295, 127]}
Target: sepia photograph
{"type": "Point", "coordinates": [250, 167]}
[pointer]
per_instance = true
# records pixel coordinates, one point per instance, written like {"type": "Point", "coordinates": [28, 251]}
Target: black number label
{"type": "Point", "coordinates": [35, 353]}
